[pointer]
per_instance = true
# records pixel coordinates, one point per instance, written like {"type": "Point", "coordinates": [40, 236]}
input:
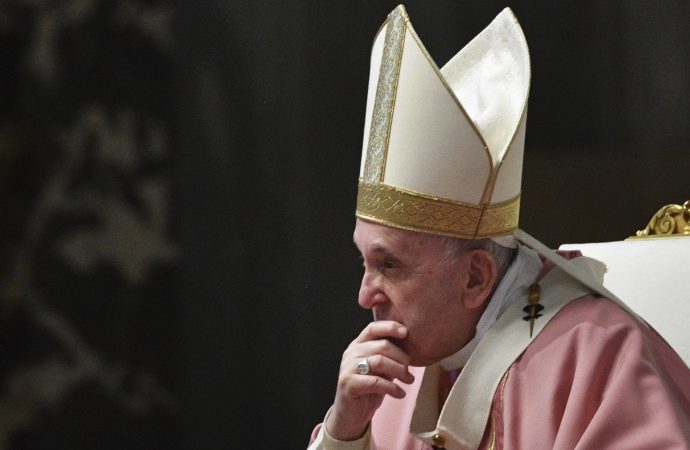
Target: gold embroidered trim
{"type": "Point", "coordinates": [500, 218]}
{"type": "Point", "coordinates": [493, 443]}
{"type": "Point", "coordinates": [492, 436]}
{"type": "Point", "coordinates": [409, 210]}
{"type": "Point", "coordinates": [382, 115]}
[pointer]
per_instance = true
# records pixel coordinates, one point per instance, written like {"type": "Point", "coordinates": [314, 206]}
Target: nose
{"type": "Point", "coordinates": [370, 292]}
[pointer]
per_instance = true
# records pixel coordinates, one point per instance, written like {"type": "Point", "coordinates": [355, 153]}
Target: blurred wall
{"type": "Point", "coordinates": [179, 178]}
{"type": "Point", "coordinates": [87, 329]}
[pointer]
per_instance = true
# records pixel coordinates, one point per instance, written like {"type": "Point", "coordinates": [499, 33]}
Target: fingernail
{"type": "Point", "coordinates": [402, 331]}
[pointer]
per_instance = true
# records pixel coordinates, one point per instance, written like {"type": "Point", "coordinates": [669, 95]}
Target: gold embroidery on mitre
{"type": "Point", "coordinates": [382, 115]}
{"type": "Point", "coordinates": [409, 210]}
{"type": "Point", "coordinates": [500, 218]}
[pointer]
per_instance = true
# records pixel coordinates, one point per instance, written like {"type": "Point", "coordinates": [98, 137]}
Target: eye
{"type": "Point", "coordinates": [388, 264]}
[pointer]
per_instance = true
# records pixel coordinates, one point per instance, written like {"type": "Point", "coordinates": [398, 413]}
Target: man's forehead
{"type": "Point", "coordinates": [372, 236]}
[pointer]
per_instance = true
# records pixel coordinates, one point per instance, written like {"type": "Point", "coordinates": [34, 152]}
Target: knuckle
{"type": "Point", "coordinates": [376, 361]}
{"type": "Point", "coordinates": [387, 347]}
{"type": "Point", "coordinates": [350, 351]}
{"type": "Point", "coordinates": [343, 385]}
{"type": "Point", "coordinates": [381, 345]}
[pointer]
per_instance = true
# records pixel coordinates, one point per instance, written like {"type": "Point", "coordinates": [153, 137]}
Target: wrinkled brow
{"type": "Point", "coordinates": [385, 251]}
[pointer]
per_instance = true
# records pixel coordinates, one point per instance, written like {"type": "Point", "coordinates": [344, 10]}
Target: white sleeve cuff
{"type": "Point", "coordinates": [325, 441]}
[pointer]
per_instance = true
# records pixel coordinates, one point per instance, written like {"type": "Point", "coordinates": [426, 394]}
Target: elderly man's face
{"type": "Point", "coordinates": [407, 278]}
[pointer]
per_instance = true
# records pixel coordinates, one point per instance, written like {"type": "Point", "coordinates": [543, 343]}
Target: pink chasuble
{"type": "Point", "coordinates": [595, 378]}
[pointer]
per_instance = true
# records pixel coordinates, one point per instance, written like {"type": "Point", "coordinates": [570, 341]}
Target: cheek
{"type": "Point", "coordinates": [437, 315]}
{"type": "Point", "coordinates": [421, 325]}
{"type": "Point", "coordinates": [424, 308]}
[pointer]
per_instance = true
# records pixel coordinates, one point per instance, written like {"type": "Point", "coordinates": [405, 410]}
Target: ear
{"type": "Point", "coordinates": [480, 278]}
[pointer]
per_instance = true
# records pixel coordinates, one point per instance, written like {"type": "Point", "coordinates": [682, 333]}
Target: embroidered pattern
{"type": "Point", "coordinates": [410, 210]}
{"type": "Point", "coordinates": [384, 102]}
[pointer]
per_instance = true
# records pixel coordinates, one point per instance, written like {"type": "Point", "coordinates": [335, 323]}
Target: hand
{"type": "Point", "coordinates": [359, 396]}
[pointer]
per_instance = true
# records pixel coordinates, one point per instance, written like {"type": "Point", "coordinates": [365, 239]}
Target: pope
{"type": "Point", "coordinates": [481, 336]}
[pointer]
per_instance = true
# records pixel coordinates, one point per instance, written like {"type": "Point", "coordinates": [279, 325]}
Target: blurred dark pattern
{"type": "Point", "coordinates": [178, 179]}
{"type": "Point", "coordinates": [86, 326]}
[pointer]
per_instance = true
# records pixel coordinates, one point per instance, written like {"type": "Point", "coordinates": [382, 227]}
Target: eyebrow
{"type": "Point", "coordinates": [378, 249]}
{"type": "Point", "coordinates": [384, 250]}
{"type": "Point", "coordinates": [387, 254]}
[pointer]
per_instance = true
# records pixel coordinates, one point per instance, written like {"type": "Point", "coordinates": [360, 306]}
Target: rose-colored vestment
{"type": "Point", "coordinates": [594, 378]}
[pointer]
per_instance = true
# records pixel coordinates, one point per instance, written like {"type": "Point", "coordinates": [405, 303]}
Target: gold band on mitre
{"type": "Point", "coordinates": [400, 208]}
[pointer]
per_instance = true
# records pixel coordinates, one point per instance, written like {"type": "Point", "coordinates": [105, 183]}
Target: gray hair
{"type": "Point", "coordinates": [454, 247]}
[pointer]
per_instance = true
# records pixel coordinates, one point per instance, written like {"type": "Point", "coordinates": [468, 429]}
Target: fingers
{"type": "Point", "coordinates": [363, 385]}
{"type": "Point", "coordinates": [382, 329]}
{"type": "Point", "coordinates": [359, 395]}
{"type": "Point", "coordinates": [376, 338]}
{"type": "Point", "coordinates": [385, 358]}
{"type": "Point", "coordinates": [379, 347]}
{"type": "Point", "coordinates": [388, 368]}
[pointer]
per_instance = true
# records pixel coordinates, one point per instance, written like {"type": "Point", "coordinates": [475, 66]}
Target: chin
{"type": "Point", "coordinates": [407, 347]}
{"type": "Point", "coordinates": [420, 361]}
{"type": "Point", "coordinates": [416, 358]}
{"type": "Point", "coordinates": [419, 358]}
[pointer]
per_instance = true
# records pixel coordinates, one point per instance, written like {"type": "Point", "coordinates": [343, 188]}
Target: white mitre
{"type": "Point", "coordinates": [443, 149]}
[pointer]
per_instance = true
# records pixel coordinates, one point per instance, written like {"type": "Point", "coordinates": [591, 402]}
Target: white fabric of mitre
{"type": "Point", "coordinates": [513, 287]}
{"type": "Point", "coordinates": [490, 76]}
{"type": "Point", "coordinates": [429, 116]}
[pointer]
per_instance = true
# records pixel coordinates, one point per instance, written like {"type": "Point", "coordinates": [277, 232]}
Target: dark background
{"type": "Point", "coordinates": [178, 181]}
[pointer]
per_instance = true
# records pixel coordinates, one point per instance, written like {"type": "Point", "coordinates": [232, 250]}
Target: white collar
{"type": "Point", "coordinates": [519, 276]}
